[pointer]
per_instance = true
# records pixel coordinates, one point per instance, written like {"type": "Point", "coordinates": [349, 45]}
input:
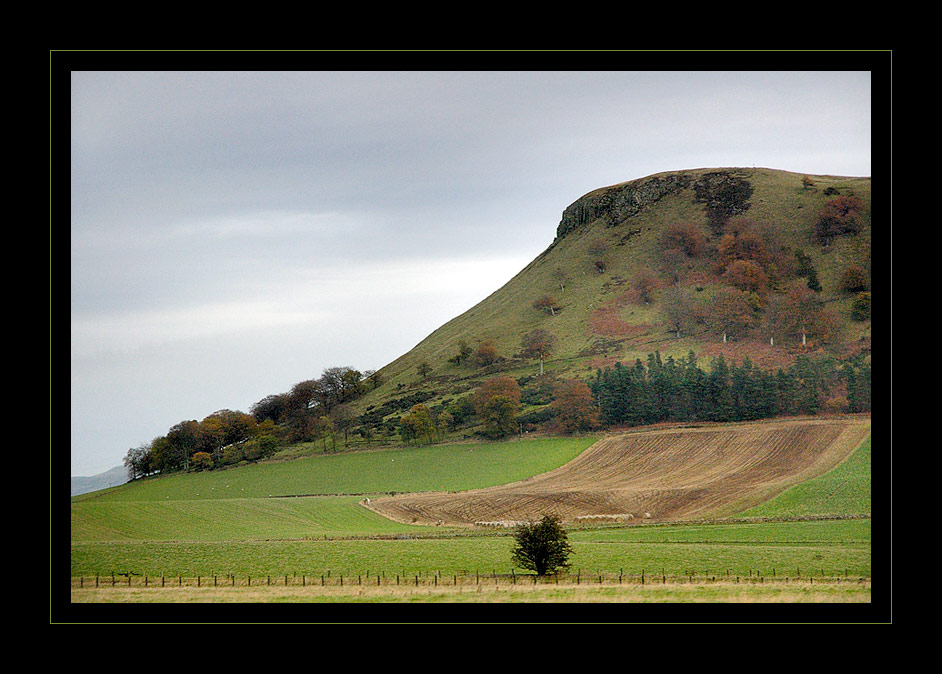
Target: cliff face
{"type": "Point", "coordinates": [619, 202]}
{"type": "Point", "coordinates": [722, 192]}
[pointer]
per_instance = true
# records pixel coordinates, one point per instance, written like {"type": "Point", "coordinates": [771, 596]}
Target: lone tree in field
{"type": "Point", "coordinates": [542, 547]}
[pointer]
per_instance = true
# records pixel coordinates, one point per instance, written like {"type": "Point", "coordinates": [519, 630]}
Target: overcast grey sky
{"type": "Point", "coordinates": [234, 233]}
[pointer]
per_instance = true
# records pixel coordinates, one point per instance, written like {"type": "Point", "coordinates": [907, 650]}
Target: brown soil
{"type": "Point", "coordinates": [652, 475]}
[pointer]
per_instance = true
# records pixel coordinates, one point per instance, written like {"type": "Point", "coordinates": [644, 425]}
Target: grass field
{"type": "Point", "coordinates": [810, 544]}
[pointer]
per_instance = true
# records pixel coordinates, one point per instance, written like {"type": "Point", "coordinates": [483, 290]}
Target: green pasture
{"type": "Point", "coordinates": [845, 490]}
{"type": "Point", "coordinates": [784, 548]}
{"type": "Point", "coordinates": [454, 467]}
{"type": "Point", "coordinates": [172, 527]}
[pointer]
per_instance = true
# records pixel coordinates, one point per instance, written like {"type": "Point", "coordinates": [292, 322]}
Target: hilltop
{"type": "Point", "coordinates": [718, 261]}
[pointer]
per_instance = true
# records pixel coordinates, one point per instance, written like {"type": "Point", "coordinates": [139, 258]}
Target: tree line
{"type": "Point", "coordinates": [665, 390]}
{"type": "Point", "coordinates": [314, 409]}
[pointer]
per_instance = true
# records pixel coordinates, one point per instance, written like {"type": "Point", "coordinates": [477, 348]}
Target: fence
{"type": "Point", "coordinates": [464, 579]}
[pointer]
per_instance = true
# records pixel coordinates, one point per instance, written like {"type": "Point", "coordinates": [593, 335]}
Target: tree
{"type": "Point", "coordinates": [799, 312]}
{"type": "Point", "coordinates": [270, 407]}
{"type": "Point", "coordinates": [137, 462]}
{"type": "Point", "coordinates": [496, 403]}
{"type": "Point", "coordinates": [542, 547]}
{"type": "Point", "coordinates": [202, 461]}
{"type": "Point", "coordinates": [560, 277]}
{"type": "Point", "coordinates": [547, 304]}
{"type": "Point", "coordinates": [343, 418]}
{"type": "Point", "coordinates": [748, 276]}
{"type": "Point", "coordinates": [735, 312]}
{"type": "Point", "coordinates": [573, 406]}
{"type": "Point", "coordinates": [486, 353]}
{"type": "Point", "coordinates": [417, 424]}
{"type": "Point", "coordinates": [538, 344]}
{"type": "Point", "coordinates": [840, 215]}
{"type": "Point", "coordinates": [464, 353]}
{"type": "Point", "coordinates": [689, 239]}
{"type": "Point", "coordinates": [423, 369]}
{"type": "Point", "coordinates": [184, 439]}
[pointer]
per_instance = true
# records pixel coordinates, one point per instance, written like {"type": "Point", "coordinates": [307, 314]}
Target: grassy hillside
{"type": "Point", "coordinates": [258, 501]}
{"type": "Point", "coordinates": [598, 317]}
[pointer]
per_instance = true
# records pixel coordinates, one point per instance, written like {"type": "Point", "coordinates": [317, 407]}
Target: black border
{"type": "Point", "coordinates": [63, 62]}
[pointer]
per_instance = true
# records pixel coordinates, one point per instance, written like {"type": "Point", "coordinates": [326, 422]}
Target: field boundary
{"type": "Point", "coordinates": [493, 578]}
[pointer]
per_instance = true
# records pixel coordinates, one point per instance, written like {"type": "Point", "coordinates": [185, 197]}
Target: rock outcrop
{"type": "Point", "coordinates": [724, 193]}
{"type": "Point", "coordinates": [620, 202]}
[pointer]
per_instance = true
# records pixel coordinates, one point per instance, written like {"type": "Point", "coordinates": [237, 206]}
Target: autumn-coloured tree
{"type": "Point", "coordinates": [840, 215]}
{"type": "Point", "coordinates": [495, 386]}
{"type": "Point", "coordinates": [747, 276]}
{"type": "Point", "coordinates": [547, 304]}
{"type": "Point", "coordinates": [799, 313]}
{"type": "Point", "coordinates": [486, 353]}
{"type": "Point", "coordinates": [685, 309]}
{"type": "Point", "coordinates": [496, 403]}
{"type": "Point", "coordinates": [573, 406]}
{"type": "Point", "coordinates": [537, 343]}
{"type": "Point", "coordinates": [742, 241]}
{"type": "Point", "coordinates": [202, 461]}
{"type": "Point", "coordinates": [686, 238]}
{"type": "Point", "coordinates": [735, 313]}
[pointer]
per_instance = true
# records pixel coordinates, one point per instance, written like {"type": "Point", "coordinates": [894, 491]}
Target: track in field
{"type": "Point", "coordinates": [652, 475]}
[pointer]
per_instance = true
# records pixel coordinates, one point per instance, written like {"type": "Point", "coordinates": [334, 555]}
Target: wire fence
{"type": "Point", "coordinates": [465, 579]}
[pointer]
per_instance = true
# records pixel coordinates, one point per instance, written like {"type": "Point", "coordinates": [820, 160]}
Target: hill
{"type": "Point", "coordinates": [740, 262]}
{"type": "Point", "coordinates": [706, 295]}
{"type": "Point", "coordinates": [110, 478]}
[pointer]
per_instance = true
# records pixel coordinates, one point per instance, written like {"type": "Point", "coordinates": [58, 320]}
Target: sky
{"type": "Point", "coordinates": [233, 233]}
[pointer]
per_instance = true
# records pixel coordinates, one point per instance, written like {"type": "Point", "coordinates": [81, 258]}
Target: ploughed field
{"type": "Point", "coordinates": [651, 475]}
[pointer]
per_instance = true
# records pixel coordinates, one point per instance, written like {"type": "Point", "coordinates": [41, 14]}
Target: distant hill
{"type": "Point", "coordinates": [712, 261]}
{"type": "Point", "coordinates": [110, 478]}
